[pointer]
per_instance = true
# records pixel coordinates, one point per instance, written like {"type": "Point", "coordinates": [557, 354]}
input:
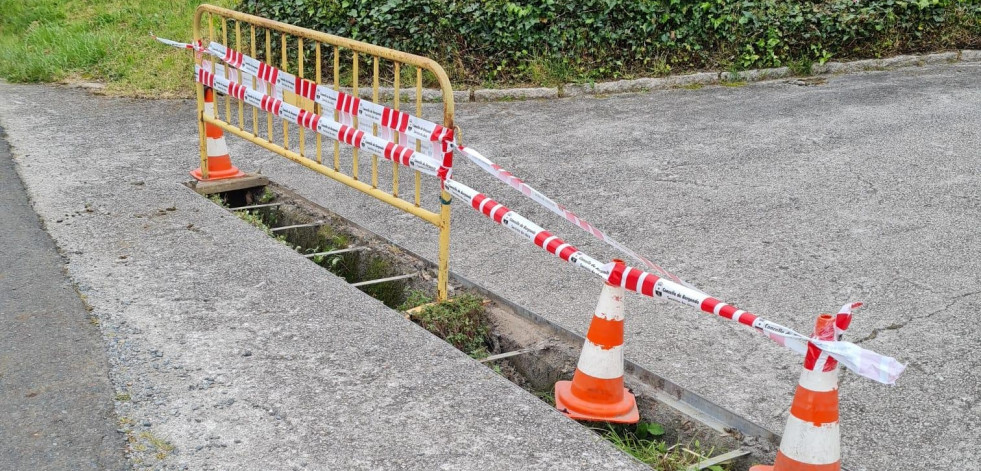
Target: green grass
{"type": "Point", "coordinates": [460, 322]}
{"type": "Point", "coordinates": [642, 441]}
{"type": "Point", "coordinates": [415, 298]}
{"type": "Point", "coordinates": [105, 41]}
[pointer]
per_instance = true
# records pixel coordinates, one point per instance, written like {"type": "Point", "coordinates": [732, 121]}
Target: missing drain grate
{"type": "Point", "coordinates": [517, 344]}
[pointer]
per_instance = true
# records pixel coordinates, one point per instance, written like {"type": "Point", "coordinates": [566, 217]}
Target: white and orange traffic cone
{"type": "Point", "coordinates": [811, 440]}
{"type": "Point", "coordinates": [596, 392]}
{"type": "Point", "coordinates": [219, 162]}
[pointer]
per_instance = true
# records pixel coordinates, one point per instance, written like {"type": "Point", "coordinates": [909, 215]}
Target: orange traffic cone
{"type": "Point", "coordinates": [811, 441]}
{"type": "Point", "coordinates": [219, 162]}
{"type": "Point", "coordinates": [596, 391]}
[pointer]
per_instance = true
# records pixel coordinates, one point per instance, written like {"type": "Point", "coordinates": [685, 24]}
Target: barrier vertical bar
{"type": "Point", "coordinates": [317, 108]}
{"type": "Point", "coordinates": [374, 127]}
{"type": "Point", "coordinates": [255, 111]}
{"type": "Point", "coordinates": [337, 86]}
{"type": "Point", "coordinates": [228, 98]}
{"type": "Point", "coordinates": [395, 137]}
{"type": "Point", "coordinates": [212, 37]}
{"type": "Point", "coordinates": [241, 80]}
{"type": "Point", "coordinates": [299, 100]}
{"type": "Point", "coordinates": [269, 86]}
{"type": "Point", "coordinates": [199, 91]}
{"type": "Point", "coordinates": [354, 93]}
{"type": "Point", "coordinates": [285, 60]}
{"type": "Point", "coordinates": [418, 180]}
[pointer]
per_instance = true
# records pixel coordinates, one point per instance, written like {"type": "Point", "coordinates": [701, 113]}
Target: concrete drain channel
{"type": "Point", "coordinates": [679, 430]}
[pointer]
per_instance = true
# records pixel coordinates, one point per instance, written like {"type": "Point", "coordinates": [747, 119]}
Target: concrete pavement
{"type": "Point", "coordinates": [227, 349]}
{"type": "Point", "coordinates": [783, 199]}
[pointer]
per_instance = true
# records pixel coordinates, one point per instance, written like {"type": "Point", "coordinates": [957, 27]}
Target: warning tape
{"type": "Point", "coordinates": [425, 132]}
{"type": "Point", "coordinates": [325, 126]}
{"type": "Point", "coordinates": [195, 47]}
{"type": "Point", "coordinates": [863, 362]}
{"type": "Point", "coordinates": [550, 204]}
{"type": "Point", "coordinates": [433, 139]}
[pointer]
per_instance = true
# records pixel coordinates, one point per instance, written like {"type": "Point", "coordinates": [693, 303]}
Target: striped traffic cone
{"type": "Point", "coordinates": [596, 392]}
{"type": "Point", "coordinates": [811, 441]}
{"type": "Point", "coordinates": [219, 162]}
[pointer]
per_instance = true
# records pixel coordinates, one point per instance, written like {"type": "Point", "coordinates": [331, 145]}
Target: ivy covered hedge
{"type": "Point", "coordinates": [548, 41]}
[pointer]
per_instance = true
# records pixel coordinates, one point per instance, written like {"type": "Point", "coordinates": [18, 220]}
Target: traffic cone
{"type": "Point", "coordinates": [811, 440]}
{"type": "Point", "coordinates": [219, 162]}
{"type": "Point", "coordinates": [596, 392]}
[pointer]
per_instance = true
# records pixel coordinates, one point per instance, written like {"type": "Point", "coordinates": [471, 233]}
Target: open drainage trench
{"type": "Point", "coordinates": [678, 430]}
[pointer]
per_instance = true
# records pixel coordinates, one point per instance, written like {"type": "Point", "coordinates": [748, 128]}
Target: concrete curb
{"type": "Point", "coordinates": [680, 81]}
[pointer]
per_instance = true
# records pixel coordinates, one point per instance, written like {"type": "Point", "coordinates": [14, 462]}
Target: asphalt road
{"type": "Point", "coordinates": [54, 381]}
{"type": "Point", "coordinates": [783, 199]}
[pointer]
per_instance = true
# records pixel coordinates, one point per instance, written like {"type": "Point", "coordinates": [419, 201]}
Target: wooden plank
{"type": "Point", "coordinates": [251, 180]}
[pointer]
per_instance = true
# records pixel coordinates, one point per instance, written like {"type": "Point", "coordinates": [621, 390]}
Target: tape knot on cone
{"type": "Point", "coordinates": [219, 162]}
{"type": "Point", "coordinates": [811, 440]}
{"type": "Point", "coordinates": [596, 392]}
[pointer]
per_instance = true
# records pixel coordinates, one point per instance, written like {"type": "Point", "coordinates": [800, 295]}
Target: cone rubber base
{"type": "Point", "coordinates": [623, 412]}
{"type": "Point", "coordinates": [233, 172]}
{"type": "Point", "coordinates": [783, 463]}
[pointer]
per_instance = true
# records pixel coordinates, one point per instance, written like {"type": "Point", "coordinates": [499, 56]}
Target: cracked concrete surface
{"type": "Point", "coordinates": [899, 325]}
{"type": "Point", "coordinates": [785, 200]}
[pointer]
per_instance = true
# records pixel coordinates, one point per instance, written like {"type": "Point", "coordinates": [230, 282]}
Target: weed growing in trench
{"type": "Point", "coordinates": [256, 220]}
{"type": "Point", "coordinates": [266, 196]}
{"type": "Point", "coordinates": [642, 441]}
{"type": "Point", "coordinates": [460, 322]}
{"type": "Point", "coordinates": [415, 298]}
{"type": "Point", "coordinates": [327, 239]}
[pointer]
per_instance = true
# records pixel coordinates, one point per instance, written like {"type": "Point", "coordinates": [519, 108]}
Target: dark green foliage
{"type": "Point", "coordinates": [556, 40]}
{"type": "Point", "coordinates": [415, 298]}
{"type": "Point", "coordinates": [460, 322]}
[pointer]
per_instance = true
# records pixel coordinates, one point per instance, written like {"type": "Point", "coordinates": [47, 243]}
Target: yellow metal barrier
{"type": "Point", "coordinates": [295, 44]}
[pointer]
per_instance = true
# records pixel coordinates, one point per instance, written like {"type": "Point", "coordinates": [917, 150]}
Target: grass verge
{"type": "Point", "coordinates": [105, 41]}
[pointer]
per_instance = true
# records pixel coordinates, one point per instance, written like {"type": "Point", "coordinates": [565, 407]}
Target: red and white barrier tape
{"type": "Point", "coordinates": [433, 139]}
{"type": "Point", "coordinates": [194, 47]}
{"type": "Point", "coordinates": [325, 126]}
{"type": "Point", "coordinates": [424, 131]}
{"type": "Point", "coordinates": [550, 204]}
{"type": "Point", "coordinates": [863, 362]}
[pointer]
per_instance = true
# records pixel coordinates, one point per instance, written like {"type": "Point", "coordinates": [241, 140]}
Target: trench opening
{"type": "Point", "coordinates": [329, 244]}
{"type": "Point", "coordinates": [485, 327]}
